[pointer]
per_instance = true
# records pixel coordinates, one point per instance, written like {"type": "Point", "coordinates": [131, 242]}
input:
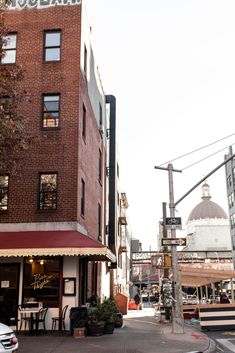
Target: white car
{"type": "Point", "coordinates": [8, 340]}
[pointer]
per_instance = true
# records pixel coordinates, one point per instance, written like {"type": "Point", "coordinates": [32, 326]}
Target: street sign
{"type": "Point", "coordinates": [173, 223]}
{"type": "Point", "coordinates": [174, 241]}
{"type": "Point", "coordinates": [157, 261]}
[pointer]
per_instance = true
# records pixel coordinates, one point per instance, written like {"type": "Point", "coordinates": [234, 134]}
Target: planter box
{"type": "Point", "coordinates": [79, 332]}
{"type": "Point", "coordinates": [94, 330]}
{"type": "Point", "coordinates": [109, 328]}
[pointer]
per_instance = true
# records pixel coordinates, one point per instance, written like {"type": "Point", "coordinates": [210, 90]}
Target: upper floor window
{"type": "Point", "coordinates": [85, 60]}
{"type": "Point", "coordinates": [100, 115]}
{"type": "Point", "coordinates": [51, 111]}
{"type": "Point", "coordinates": [83, 122]}
{"type": "Point", "coordinates": [82, 197]}
{"type": "Point", "coordinates": [9, 46]}
{"type": "Point", "coordinates": [233, 176]}
{"type": "Point", "coordinates": [52, 45]}
{"type": "Point", "coordinates": [100, 165]}
{"type": "Point", "coordinates": [229, 180]}
{"type": "Point", "coordinates": [231, 200]}
{"type": "Point", "coordinates": [4, 184]}
{"type": "Point", "coordinates": [99, 222]}
{"type": "Point", "coordinates": [48, 191]}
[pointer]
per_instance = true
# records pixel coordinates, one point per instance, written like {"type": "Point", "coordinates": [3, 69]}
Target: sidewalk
{"type": "Point", "coordinates": [192, 338]}
{"type": "Point", "coordinates": [141, 333]}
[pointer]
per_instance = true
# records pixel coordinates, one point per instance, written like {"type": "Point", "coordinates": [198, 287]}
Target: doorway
{"type": "Point", "coordinates": [9, 291]}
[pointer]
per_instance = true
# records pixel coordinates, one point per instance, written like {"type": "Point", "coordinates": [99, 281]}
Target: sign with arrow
{"type": "Point", "coordinates": [173, 241]}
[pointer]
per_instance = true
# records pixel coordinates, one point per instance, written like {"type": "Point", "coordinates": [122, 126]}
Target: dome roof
{"type": "Point", "coordinates": [207, 208]}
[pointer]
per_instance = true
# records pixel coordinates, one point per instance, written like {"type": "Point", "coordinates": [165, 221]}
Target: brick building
{"type": "Point", "coordinates": [52, 216]}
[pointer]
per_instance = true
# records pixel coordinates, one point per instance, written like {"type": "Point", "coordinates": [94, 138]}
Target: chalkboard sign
{"type": "Point", "coordinates": [78, 317]}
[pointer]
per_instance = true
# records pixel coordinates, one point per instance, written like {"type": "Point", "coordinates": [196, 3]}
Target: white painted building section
{"type": "Point", "coordinates": [208, 226]}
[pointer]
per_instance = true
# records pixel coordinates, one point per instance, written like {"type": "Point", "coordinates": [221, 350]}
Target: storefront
{"type": "Point", "coordinates": [53, 268]}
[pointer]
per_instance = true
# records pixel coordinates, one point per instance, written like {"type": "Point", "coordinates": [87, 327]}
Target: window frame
{"type": "Point", "coordinates": [82, 198]}
{"type": "Point", "coordinates": [99, 221]}
{"type": "Point", "coordinates": [53, 111]}
{"type": "Point", "coordinates": [46, 192]}
{"type": "Point", "coordinates": [10, 49]}
{"type": "Point", "coordinates": [100, 166]}
{"type": "Point", "coordinates": [84, 121]}
{"type": "Point", "coordinates": [85, 60]}
{"type": "Point", "coordinates": [7, 193]}
{"type": "Point", "coordinates": [45, 48]}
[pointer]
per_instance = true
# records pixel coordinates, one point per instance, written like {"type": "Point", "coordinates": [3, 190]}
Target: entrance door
{"type": "Point", "coordinates": [9, 291]}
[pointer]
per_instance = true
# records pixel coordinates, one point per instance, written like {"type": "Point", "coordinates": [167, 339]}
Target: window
{"type": "Point", "coordinates": [9, 46]}
{"type": "Point", "coordinates": [233, 176]}
{"type": "Point", "coordinates": [48, 191]}
{"type": "Point", "coordinates": [100, 165]}
{"type": "Point", "coordinates": [4, 184]}
{"type": "Point", "coordinates": [99, 222]}
{"type": "Point", "coordinates": [85, 60]}
{"type": "Point", "coordinates": [229, 181]}
{"type": "Point", "coordinates": [100, 116]}
{"type": "Point", "coordinates": [231, 200]}
{"type": "Point", "coordinates": [82, 197]}
{"type": "Point", "coordinates": [51, 111]}
{"type": "Point", "coordinates": [41, 280]}
{"type": "Point", "coordinates": [83, 122]}
{"type": "Point", "coordinates": [52, 45]}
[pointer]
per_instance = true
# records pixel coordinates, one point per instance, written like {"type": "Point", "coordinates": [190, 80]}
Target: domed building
{"type": "Point", "coordinates": [208, 226]}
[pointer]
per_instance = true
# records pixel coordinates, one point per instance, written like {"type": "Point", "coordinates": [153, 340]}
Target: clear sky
{"type": "Point", "coordinates": [171, 66]}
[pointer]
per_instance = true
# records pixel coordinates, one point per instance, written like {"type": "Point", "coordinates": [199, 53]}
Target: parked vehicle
{"type": "Point", "coordinates": [8, 340]}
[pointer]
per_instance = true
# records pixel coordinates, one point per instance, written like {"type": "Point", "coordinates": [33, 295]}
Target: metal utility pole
{"type": "Point", "coordinates": [177, 319]}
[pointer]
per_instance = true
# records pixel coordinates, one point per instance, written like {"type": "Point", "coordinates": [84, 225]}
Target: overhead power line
{"type": "Point", "coordinates": [207, 157]}
{"type": "Point", "coordinates": [198, 149]}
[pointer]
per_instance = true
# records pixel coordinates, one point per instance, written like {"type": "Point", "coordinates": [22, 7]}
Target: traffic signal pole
{"type": "Point", "coordinates": [177, 319]}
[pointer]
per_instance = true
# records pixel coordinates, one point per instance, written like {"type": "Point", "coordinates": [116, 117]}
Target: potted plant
{"type": "Point", "coordinates": [107, 311]}
{"type": "Point", "coordinates": [95, 327]}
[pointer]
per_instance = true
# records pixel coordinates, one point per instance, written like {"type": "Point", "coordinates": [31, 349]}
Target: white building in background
{"type": "Point", "coordinates": [208, 226]}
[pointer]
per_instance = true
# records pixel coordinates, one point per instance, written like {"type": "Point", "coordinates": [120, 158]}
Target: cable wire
{"type": "Point", "coordinates": [207, 157]}
{"type": "Point", "coordinates": [198, 149]}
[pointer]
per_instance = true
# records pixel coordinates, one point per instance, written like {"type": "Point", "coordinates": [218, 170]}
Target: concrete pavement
{"type": "Point", "coordinates": [141, 333]}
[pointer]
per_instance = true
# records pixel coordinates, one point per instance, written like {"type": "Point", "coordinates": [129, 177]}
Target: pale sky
{"type": "Point", "coordinates": [171, 66]}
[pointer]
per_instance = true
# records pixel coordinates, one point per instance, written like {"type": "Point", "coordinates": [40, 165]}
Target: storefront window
{"type": "Point", "coordinates": [41, 280]}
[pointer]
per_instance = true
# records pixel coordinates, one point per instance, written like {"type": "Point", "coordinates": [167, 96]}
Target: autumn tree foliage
{"type": "Point", "coordinates": [13, 136]}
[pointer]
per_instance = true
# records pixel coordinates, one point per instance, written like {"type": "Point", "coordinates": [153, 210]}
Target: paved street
{"type": "Point", "coordinates": [140, 334]}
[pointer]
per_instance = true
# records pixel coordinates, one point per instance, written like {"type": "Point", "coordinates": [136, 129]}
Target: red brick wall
{"type": "Point", "coordinates": [63, 150]}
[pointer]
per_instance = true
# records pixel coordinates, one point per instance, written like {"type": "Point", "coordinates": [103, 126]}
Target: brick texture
{"type": "Point", "coordinates": [63, 150]}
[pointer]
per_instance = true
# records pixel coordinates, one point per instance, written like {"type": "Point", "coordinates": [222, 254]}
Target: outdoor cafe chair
{"type": "Point", "coordinates": [24, 318]}
{"type": "Point", "coordinates": [60, 320]}
{"type": "Point", "coordinates": [41, 319]}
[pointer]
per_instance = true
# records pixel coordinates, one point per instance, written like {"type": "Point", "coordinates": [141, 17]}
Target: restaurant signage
{"type": "Point", "coordinates": [21, 4]}
{"type": "Point", "coordinates": [40, 280]}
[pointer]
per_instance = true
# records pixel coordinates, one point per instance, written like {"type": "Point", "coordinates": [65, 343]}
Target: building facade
{"type": "Point", "coordinates": [54, 247]}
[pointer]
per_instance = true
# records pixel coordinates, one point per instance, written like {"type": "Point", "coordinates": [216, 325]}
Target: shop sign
{"type": "Point", "coordinates": [40, 280]}
{"type": "Point", "coordinates": [22, 4]}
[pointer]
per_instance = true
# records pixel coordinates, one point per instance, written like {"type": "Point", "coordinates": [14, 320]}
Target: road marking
{"type": "Point", "coordinates": [227, 343]}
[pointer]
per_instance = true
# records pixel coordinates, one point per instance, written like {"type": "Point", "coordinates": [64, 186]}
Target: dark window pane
{"type": "Point", "coordinates": [48, 192]}
{"type": "Point", "coordinates": [41, 280]}
{"type": "Point", "coordinates": [4, 181]}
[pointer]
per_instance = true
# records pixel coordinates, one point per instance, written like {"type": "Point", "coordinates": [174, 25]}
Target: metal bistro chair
{"type": "Point", "coordinates": [24, 318]}
{"type": "Point", "coordinates": [41, 319]}
{"type": "Point", "coordinates": [60, 320]}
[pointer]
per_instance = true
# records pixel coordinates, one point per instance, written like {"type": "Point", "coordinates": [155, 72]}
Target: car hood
{"type": "Point", "coordinates": [5, 329]}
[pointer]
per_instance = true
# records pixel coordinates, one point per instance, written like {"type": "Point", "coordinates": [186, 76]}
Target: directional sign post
{"type": "Point", "coordinates": [174, 241]}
